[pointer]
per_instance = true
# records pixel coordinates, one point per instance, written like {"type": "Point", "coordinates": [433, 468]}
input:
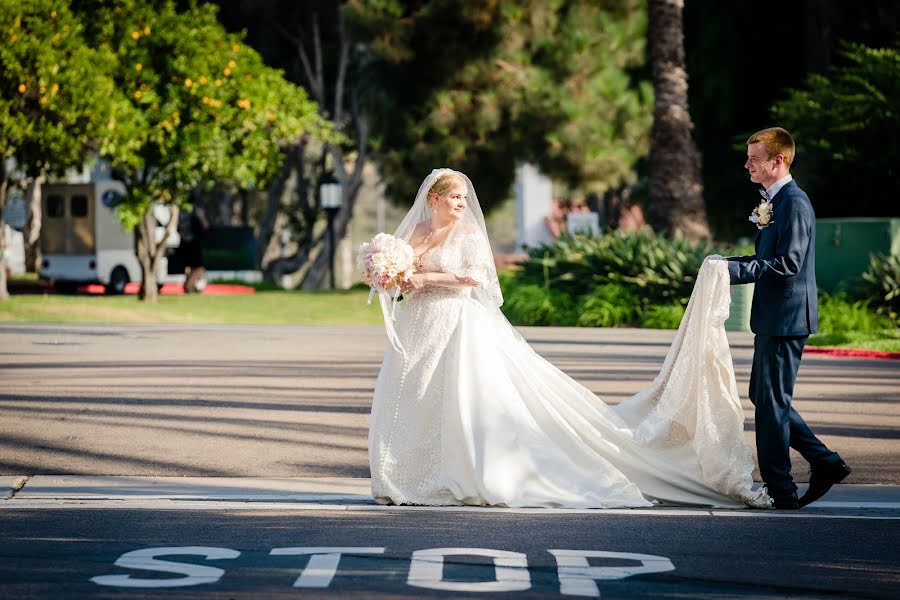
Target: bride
{"type": "Point", "coordinates": [466, 413]}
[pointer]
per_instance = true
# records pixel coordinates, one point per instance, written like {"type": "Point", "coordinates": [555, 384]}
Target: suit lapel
{"type": "Point", "coordinates": [776, 200]}
{"type": "Point", "coordinates": [781, 194]}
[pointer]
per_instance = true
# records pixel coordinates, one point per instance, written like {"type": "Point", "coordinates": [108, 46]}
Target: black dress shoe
{"type": "Point", "coordinates": [822, 477]}
{"type": "Point", "coordinates": [786, 503]}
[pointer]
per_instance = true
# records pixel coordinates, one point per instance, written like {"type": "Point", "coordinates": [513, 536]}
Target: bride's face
{"type": "Point", "coordinates": [452, 205]}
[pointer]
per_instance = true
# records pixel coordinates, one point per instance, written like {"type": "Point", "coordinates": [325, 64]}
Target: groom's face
{"type": "Point", "coordinates": [759, 166]}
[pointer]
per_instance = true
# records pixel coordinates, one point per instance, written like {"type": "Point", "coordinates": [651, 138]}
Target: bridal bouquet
{"type": "Point", "coordinates": [386, 262]}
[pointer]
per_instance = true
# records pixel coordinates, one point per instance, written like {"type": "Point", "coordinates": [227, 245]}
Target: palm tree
{"type": "Point", "coordinates": [676, 190]}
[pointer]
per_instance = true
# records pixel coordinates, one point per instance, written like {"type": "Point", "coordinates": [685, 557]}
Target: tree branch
{"type": "Point", "coordinates": [316, 88]}
{"type": "Point", "coordinates": [170, 229]}
{"type": "Point", "coordinates": [317, 47]}
{"type": "Point", "coordinates": [342, 71]}
{"type": "Point", "coordinates": [362, 134]}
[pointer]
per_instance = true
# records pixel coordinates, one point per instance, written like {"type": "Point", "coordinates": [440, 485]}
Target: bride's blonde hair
{"type": "Point", "coordinates": [443, 184]}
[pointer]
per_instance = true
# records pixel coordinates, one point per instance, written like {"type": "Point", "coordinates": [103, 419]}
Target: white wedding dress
{"type": "Point", "coordinates": [466, 413]}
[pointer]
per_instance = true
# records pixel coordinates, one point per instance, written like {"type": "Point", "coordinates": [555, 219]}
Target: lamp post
{"type": "Point", "coordinates": [330, 199]}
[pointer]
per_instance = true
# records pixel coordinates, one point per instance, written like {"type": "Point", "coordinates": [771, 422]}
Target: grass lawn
{"type": "Point", "coordinates": [343, 307]}
{"type": "Point", "coordinates": [884, 341]}
{"type": "Point", "coordinates": [264, 307]}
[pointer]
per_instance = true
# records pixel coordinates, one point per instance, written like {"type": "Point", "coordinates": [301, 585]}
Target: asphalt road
{"type": "Point", "coordinates": [294, 401]}
{"type": "Point", "coordinates": [54, 554]}
{"type": "Point", "coordinates": [289, 402]}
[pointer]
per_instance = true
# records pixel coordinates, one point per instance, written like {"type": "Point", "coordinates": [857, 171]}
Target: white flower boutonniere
{"type": "Point", "coordinates": [762, 214]}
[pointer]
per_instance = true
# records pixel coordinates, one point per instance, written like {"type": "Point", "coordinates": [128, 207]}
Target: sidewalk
{"type": "Point", "coordinates": [345, 493]}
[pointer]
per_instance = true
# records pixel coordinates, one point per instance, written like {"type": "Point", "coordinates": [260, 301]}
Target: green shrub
{"type": "Point", "coordinates": [662, 316]}
{"type": "Point", "coordinates": [881, 284]}
{"type": "Point", "coordinates": [657, 269]}
{"type": "Point", "coordinates": [838, 314]}
{"type": "Point", "coordinates": [536, 305]}
{"type": "Point", "coordinates": [620, 278]}
{"type": "Point", "coordinates": [847, 124]}
{"type": "Point", "coordinates": [609, 305]}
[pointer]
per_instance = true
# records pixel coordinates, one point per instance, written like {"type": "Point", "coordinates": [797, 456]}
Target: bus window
{"type": "Point", "coordinates": [79, 206]}
{"type": "Point", "coordinates": [55, 206]}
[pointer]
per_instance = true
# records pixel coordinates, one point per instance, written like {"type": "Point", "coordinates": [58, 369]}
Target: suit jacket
{"type": "Point", "coordinates": [785, 300]}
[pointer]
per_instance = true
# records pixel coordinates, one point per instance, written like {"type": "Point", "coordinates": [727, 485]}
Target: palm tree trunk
{"type": "Point", "coordinates": [4, 188]}
{"type": "Point", "coordinates": [676, 191]}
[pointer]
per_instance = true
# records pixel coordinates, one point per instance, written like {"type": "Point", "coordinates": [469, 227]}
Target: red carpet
{"type": "Point", "coordinates": [852, 352]}
{"type": "Point", "coordinates": [174, 289]}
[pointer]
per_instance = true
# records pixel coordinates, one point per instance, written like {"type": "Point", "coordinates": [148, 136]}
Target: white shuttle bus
{"type": "Point", "coordinates": [83, 241]}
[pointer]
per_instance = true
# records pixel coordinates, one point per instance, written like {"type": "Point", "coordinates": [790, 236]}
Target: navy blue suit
{"type": "Point", "coordinates": [783, 315]}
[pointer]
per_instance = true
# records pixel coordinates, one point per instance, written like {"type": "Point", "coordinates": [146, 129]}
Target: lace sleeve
{"type": "Point", "coordinates": [477, 262]}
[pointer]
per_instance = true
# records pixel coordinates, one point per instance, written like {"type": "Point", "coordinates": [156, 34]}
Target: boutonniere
{"type": "Point", "coordinates": [762, 214]}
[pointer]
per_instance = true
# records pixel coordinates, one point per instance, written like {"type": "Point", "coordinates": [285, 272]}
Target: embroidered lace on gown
{"type": "Point", "coordinates": [471, 415]}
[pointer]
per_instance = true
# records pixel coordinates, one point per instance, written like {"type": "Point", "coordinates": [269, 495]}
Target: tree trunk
{"type": "Point", "coordinates": [346, 262]}
{"type": "Point", "coordinates": [676, 190]}
{"type": "Point", "coordinates": [4, 188]}
{"type": "Point", "coordinates": [321, 266]}
{"type": "Point", "coordinates": [344, 100]}
{"type": "Point", "coordinates": [32, 233]}
{"type": "Point", "coordinates": [150, 252]}
{"type": "Point", "coordinates": [278, 189]}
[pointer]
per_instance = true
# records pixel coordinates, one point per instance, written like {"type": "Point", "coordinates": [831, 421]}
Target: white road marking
{"type": "Point", "coordinates": [426, 570]}
{"type": "Point", "coordinates": [141, 504]}
{"type": "Point", "coordinates": [322, 564]}
{"type": "Point", "coordinates": [354, 500]}
{"type": "Point", "coordinates": [577, 577]}
{"type": "Point", "coordinates": [851, 505]}
{"type": "Point", "coordinates": [145, 559]}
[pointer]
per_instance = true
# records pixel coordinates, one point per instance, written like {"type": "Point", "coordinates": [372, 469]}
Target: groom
{"type": "Point", "coordinates": [783, 315]}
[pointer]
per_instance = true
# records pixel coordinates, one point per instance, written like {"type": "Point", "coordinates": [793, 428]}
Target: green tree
{"type": "Point", "coordinates": [482, 86]}
{"type": "Point", "coordinates": [731, 96]}
{"type": "Point", "coordinates": [331, 67]}
{"type": "Point", "coordinates": [676, 190]}
{"type": "Point", "coordinates": [847, 127]}
{"type": "Point", "coordinates": [211, 112]}
{"type": "Point", "coordinates": [57, 101]}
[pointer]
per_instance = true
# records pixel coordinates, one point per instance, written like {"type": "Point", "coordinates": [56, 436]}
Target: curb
{"type": "Point", "coordinates": [852, 352]}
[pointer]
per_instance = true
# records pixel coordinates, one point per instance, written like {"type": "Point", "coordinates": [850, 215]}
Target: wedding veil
{"type": "Point", "coordinates": [472, 223]}
{"type": "Point", "coordinates": [470, 229]}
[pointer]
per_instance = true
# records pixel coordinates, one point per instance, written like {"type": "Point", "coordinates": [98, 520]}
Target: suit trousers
{"type": "Point", "coordinates": [779, 427]}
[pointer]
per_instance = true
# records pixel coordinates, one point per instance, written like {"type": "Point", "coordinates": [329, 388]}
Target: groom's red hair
{"type": "Point", "coordinates": [777, 141]}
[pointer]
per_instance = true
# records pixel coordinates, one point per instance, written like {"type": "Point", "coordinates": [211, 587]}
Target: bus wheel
{"type": "Point", "coordinates": [118, 279]}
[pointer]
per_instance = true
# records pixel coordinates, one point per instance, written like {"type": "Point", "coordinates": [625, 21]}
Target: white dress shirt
{"type": "Point", "coordinates": [776, 187]}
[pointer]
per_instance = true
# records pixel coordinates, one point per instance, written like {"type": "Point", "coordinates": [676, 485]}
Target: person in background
{"type": "Point", "coordinates": [556, 221]}
{"type": "Point", "coordinates": [579, 205]}
{"type": "Point", "coordinates": [192, 247]}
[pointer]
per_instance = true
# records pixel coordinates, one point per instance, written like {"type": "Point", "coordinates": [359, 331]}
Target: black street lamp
{"type": "Point", "coordinates": [330, 199]}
